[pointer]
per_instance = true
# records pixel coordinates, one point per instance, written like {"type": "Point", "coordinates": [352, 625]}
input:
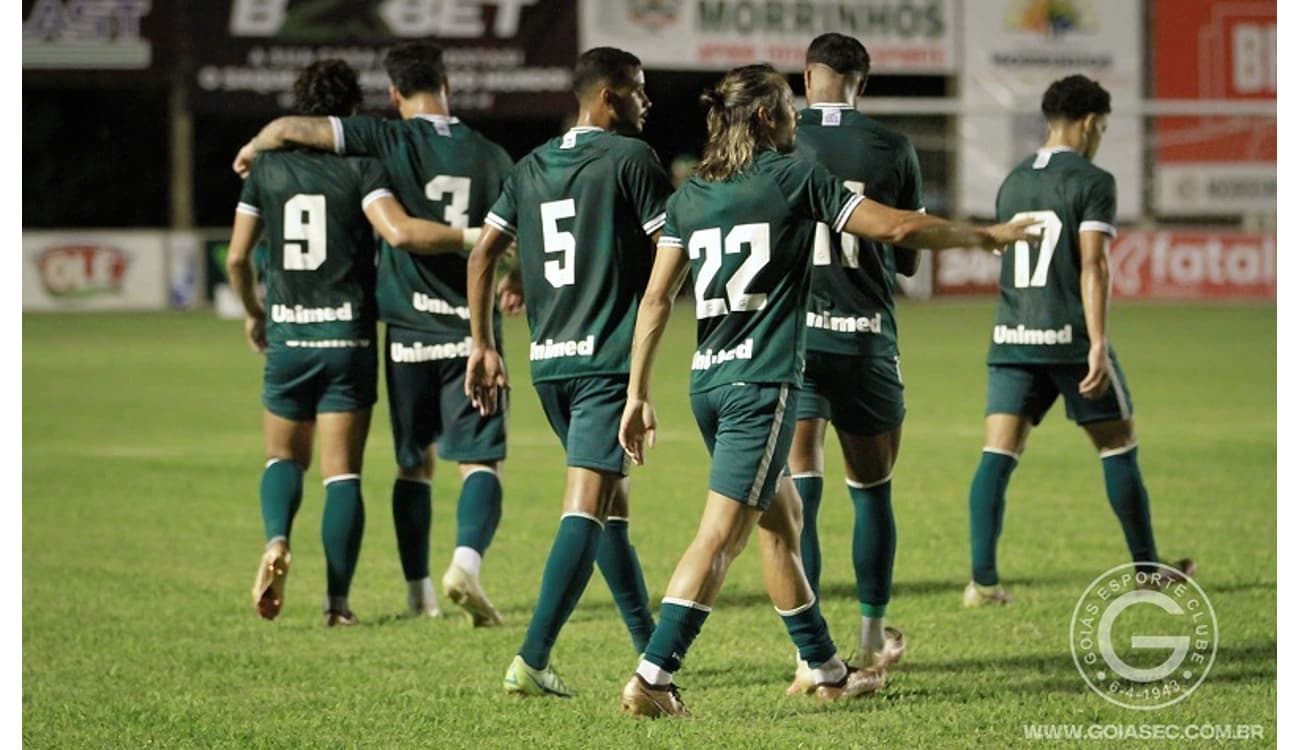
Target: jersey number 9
{"type": "Point", "coordinates": [304, 232]}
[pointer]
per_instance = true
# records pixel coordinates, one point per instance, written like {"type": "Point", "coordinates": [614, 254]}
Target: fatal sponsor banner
{"type": "Point", "coordinates": [1216, 50]}
{"type": "Point", "coordinates": [71, 271]}
{"type": "Point", "coordinates": [1164, 264]}
{"type": "Point", "coordinates": [117, 37]}
{"type": "Point", "coordinates": [902, 36]}
{"type": "Point", "coordinates": [1014, 50]}
{"type": "Point", "coordinates": [513, 58]}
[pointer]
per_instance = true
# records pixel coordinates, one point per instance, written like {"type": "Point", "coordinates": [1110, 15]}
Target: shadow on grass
{"type": "Point", "coordinates": [848, 590]}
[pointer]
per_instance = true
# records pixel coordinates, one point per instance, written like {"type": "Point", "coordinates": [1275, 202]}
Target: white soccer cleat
{"type": "Point", "coordinates": [984, 596]}
{"type": "Point", "coordinates": [464, 590]}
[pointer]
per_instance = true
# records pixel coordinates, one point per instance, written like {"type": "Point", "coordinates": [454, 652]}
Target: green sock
{"type": "Point", "coordinates": [810, 491]}
{"type": "Point", "coordinates": [988, 502]}
{"type": "Point", "coordinates": [622, 571]}
{"type": "Point", "coordinates": [281, 493]}
{"type": "Point", "coordinates": [807, 628]}
{"type": "Point", "coordinates": [412, 520]}
{"type": "Point", "coordinates": [568, 568]}
{"type": "Point", "coordinates": [478, 511]}
{"type": "Point", "coordinates": [874, 540]}
{"type": "Point", "coordinates": [679, 624]}
{"type": "Point", "coordinates": [341, 526]}
{"type": "Point", "coordinates": [1128, 498]}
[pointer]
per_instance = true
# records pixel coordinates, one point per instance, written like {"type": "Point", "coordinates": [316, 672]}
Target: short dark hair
{"type": "Point", "coordinates": [602, 65]}
{"type": "Point", "coordinates": [327, 87]}
{"type": "Point", "coordinates": [1074, 98]}
{"type": "Point", "coordinates": [842, 54]}
{"type": "Point", "coordinates": [414, 67]}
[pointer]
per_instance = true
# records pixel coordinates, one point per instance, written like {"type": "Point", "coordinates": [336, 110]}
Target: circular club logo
{"type": "Point", "coordinates": [1143, 639]}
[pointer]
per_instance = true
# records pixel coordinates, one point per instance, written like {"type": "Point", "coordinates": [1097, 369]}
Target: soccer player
{"type": "Point", "coordinates": [319, 343]}
{"type": "Point", "coordinates": [744, 225]}
{"type": "Point", "coordinates": [852, 376]}
{"type": "Point", "coordinates": [1051, 335]}
{"type": "Point", "coordinates": [585, 208]}
{"type": "Point", "coordinates": [443, 171]}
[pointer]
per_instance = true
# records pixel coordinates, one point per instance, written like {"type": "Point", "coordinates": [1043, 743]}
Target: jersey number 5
{"type": "Point", "coordinates": [559, 272]}
{"type": "Point", "coordinates": [1050, 234]}
{"type": "Point", "coordinates": [710, 244]}
{"type": "Point", "coordinates": [304, 232]}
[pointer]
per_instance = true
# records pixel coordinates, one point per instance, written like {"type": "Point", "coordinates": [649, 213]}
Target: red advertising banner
{"type": "Point", "coordinates": [1215, 50]}
{"type": "Point", "coordinates": [1172, 265]}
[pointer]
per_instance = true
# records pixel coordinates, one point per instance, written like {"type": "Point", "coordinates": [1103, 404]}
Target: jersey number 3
{"type": "Point", "coordinates": [1049, 234]}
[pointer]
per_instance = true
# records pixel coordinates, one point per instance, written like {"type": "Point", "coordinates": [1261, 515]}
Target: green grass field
{"type": "Point", "coordinates": [141, 534]}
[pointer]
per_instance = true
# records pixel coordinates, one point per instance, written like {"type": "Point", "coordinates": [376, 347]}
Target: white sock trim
{"type": "Point", "coordinates": [868, 485]}
{"type": "Point", "coordinates": [478, 469]}
{"type": "Point", "coordinates": [796, 610]}
{"type": "Point", "coordinates": [687, 603]}
{"type": "Point", "coordinates": [425, 482]}
{"type": "Point", "coordinates": [340, 478]}
{"type": "Point", "coordinates": [611, 519]}
{"type": "Point", "coordinates": [654, 674]}
{"type": "Point", "coordinates": [1000, 452]}
{"type": "Point", "coordinates": [580, 514]}
{"type": "Point", "coordinates": [807, 475]}
{"type": "Point", "coordinates": [275, 539]}
{"type": "Point", "coordinates": [270, 461]}
{"type": "Point", "coordinates": [1118, 451]}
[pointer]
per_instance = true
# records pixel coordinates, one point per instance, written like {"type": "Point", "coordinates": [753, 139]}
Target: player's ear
{"type": "Point", "coordinates": [862, 85]}
{"type": "Point", "coordinates": [807, 80]}
{"type": "Point", "coordinates": [446, 87]}
{"type": "Point", "coordinates": [394, 96]}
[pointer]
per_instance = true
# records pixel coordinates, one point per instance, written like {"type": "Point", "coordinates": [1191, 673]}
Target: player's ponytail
{"type": "Point", "coordinates": [736, 133]}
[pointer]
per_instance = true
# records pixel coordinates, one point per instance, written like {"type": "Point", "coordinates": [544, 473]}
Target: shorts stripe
{"type": "Point", "coordinates": [687, 603]}
{"type": "Point", "coordinates": [765, 465]}
{"type": "Point", "coordinates": [1124, 411]}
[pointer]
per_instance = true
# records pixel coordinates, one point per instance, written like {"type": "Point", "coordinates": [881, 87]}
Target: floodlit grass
{"type": "Point", "coordinates": [141, 535]}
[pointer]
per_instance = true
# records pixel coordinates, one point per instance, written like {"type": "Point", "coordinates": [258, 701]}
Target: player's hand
{"type": "Point", "coordinates": [999, 236]}
{"type": "Point", "coordinates": [510, 293]}
{"type": "Point", "coordinates": [1095, 384]}
{"type": "Point", "coordinates": [255, 331]}
{"type": "Point", "coordinates": [244, 160]}
{"type": "Point", "coordinates": [636, 431]}
{"type": "Point", "coordinates": [485, 379]}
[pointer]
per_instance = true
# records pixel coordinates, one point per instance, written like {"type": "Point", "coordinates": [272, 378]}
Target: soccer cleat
{"type": "Point", "coordinates": [523, 680]}
{"type": "Point", "coordinates": [804, 682]}
{"type": "Point", "coordinates": [982, 596]}
{"type": "Point", "coordinates": [272, 572]}
{"type": "Point", "coordinates": [336, 618]}
{"type": "Point", "coordinates": [1184, 569]}
{"type": "Point", "coordinates": [891, 654]}
{"type": "Point", "coordinates": [856, 684]}
{"type": "Point", "coordinates": [464, 590]}
{"type": "Point", "coordinates": [645, 701]}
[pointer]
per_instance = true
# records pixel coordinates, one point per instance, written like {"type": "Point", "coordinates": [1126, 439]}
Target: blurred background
{"type": "Point", "coordinates": [133, 111]}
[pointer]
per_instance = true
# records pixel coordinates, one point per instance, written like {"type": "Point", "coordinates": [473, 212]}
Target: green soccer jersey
{"type": "Point", "coordinates": [320, 262]}
{"type": "Point", "coordinates": [441, 170]}
{"type": "Point", "coordinates": [583, 207]}
{"type": "Point", "coordinates": [1040, 311]}
{"type": "Point", "coordinates": [749, 239]}
{"type": "Point", "coordinates": [851, 310]}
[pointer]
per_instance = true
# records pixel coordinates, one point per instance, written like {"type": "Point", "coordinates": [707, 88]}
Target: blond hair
{"type": "Point", "coordinates": [736, 133]}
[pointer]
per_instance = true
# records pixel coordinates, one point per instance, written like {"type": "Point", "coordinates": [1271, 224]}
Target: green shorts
{"type": "Point", "coordinates": [585, 414]}
{"type": "Point", "coordinates": [300, 382]}
{"type": "Point", "coordinates": [859, 395]}
{"type": "Point", "coordinates": [427, 403]}
{"type": "Point", "coordinates": [748, 429]}
{"type": "Point", "coordinates": [1030, 390]}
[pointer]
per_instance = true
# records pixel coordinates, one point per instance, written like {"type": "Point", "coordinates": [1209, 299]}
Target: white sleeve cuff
{"type": "Point", "coordinates": [336, 125]}
{"type": "Point", "coordinates": [843, 217]}
{"type": "Point", "coordinates": [249, 209]}
{"type": "Point", "coordinates": [499, 223]}
{"type": "Point", "coordinates": [373, 196]}
{"type": "Point", "coordinates": [1098, 226]}
{"type": "Point", "coordinates": [654, 224]}
{"type": "Point", "coordinates": [667, 241]}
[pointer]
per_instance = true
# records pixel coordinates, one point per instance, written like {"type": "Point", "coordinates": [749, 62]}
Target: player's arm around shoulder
{"type": "Point", "coordinates": [290, 130]}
